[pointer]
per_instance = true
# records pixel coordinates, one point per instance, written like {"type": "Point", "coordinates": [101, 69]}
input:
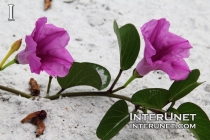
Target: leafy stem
{"type": "Point", "coordinates": [15, 91]}
{"type": "Point", "coordinates": [75, 94]}
{"type": "Point", "coordinates": [115, 81]}
{"type": "Point", "coordinates": [125, 85]}
{"type": "Point", "coordinates": [119, 88]}
{"type": "Point", "coordinates": [129, 81]}
{"type": "Point", "coordinates": [49, 84]}
{"type": "Point", "coordinates": [53, 97]}
{"type": "Point", "coordinates": [60, 91]}
{"type": "Point", "coordinates": [172, 104]}
{"type": "Point", "coordinates": [8, 64]}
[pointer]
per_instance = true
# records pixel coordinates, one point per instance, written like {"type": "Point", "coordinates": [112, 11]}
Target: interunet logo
{"type": "Point", "coordinates": [137, 118]}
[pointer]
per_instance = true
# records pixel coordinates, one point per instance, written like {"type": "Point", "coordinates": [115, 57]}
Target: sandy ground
{"type": "Point", "coordinates": [90, 25]}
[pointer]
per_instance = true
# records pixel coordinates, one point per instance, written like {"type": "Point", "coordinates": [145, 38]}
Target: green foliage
{"type": "Point", "coordinates": [180, 89]}
{"type": "Point", "coordinates": [129, 44]}
{"type": "Point", "coordinates": [202, 130]}
{"type": "Point", "coordinates": [103, 72]}
{"type": "Point", "coordinates": [152, 98]}
{"type": "Point", "coordinates": [81, 74]}
{"type": "Point", "coordinates": [113, 121]}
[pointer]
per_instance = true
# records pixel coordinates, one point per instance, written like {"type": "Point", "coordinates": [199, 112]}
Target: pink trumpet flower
{"type": "Point", "coordinates": [45, 50]}
{"type": "Point", "coordinates": [163, 51]}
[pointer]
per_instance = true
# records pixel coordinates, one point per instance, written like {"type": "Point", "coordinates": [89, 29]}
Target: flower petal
{"type": "Point", "coordinates": [34, 63]}
{"type": "Point", "coordinates": [56, 62]}
{"type": "Point", "coordinates": [155, 31]}
{"type": "Point", "coordinates": [149, 51]}
{"type": "Point", "coordinates": [22, 57]}
{"type": "Point", "coordinates": [143, 67]}
{"type": "Point", "coordinates": [38, 29]}
{"type": "Point", "coordinates": [55, 69]}
{"type": "Point", "coordinates": [177, 45]}
{"type": "Point", "coordinates": [52, 37]}
{"type": "Point", "coordinates": [176, 69]}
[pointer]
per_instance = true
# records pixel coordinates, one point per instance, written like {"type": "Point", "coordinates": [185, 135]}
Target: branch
{"type": "Point", "coordinates": [53, 97]}
{"type": "Point", "coordinates": [17, 92]}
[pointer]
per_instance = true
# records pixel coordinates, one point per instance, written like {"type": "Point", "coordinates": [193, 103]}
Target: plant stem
{"type": "Point", "coordinates": [88, 94]}
{"type": "Point", "coordinates": [125, 85]}
{"type": "Point", "coordinates": [49, 84]}
{"type": "Point", "coordinates": [6, 57]}
{"type": "Point", "coordinates": [119, 88]}
{"type": "Point", "coordinates": [74, 94]}
{"type": "Point", "coordinates": [129, 81]}
{"type": "Point", "coordinates": [115, 81]}
{"type": "Point", "coordinates": [8, 64]}
{"type": "Point", "coordinates": [17, 92]}
{"type": "Point", "coordinates": [172, 104]}
{"type": "Point", "coordinates": [67, 94]}
{"type": "Point", "coordinates": [59, 92]}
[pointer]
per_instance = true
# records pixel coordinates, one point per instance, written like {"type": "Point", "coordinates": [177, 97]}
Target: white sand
{"type": "Point", "coordinates": [90, 25]}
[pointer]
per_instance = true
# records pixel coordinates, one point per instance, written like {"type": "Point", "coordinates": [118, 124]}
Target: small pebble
{"type": "Point", "coordinates": [6, 97]}
{"type": "Point", "coordinates": [207, 88]}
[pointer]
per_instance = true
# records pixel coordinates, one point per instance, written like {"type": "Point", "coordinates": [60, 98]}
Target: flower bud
{"type": "Point", "coordinates": [16, 45]}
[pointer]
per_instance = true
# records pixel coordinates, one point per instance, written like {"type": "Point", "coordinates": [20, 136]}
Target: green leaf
{"type": "Point", "coordinates": [173, 110]}
{"type": "Point", "coordinates": [202, 130]}
{"type": "Point", "coordinates": [180, 89]}
{"type": "Point", "coordinates": [80, 74]}
{"type": "Point", "coordinates": [152, 98]}
{"type": "Point", "coordinates": [114, 120]}
{"type": "Point", "coordinates": [129, 44]}
{"type": "Point", "coordinates": [103, 72]}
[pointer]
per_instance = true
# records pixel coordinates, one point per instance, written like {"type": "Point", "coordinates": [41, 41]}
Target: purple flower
{"type": "Point", "coordinates": [45, 50]}
{"type": "Point", "coordinates": [164, 51]}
